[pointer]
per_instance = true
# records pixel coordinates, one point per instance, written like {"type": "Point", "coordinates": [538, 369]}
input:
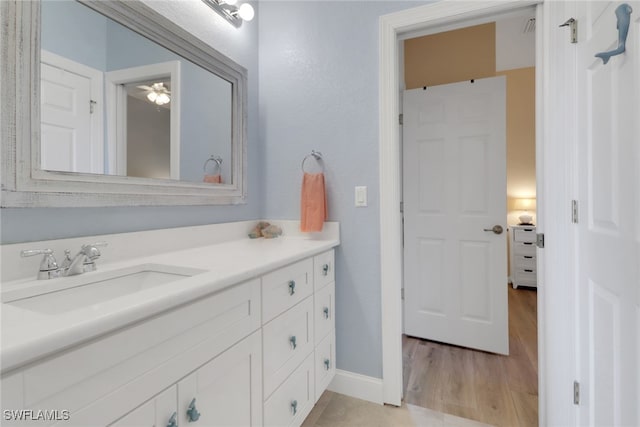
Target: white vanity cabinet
{"type": "Point", "coordinates": [109, 377]}
{"type": "Point", "coordinates": [257, 353]}
{"type": "Point", "coordinates": [299, 343]}
{"type": "Point", "coordinates": [223, 392]}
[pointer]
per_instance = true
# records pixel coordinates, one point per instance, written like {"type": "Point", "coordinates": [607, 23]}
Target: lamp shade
{"type": "Point", "coordinates": [524, 204]}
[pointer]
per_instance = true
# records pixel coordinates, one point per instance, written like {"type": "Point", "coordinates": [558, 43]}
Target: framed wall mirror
{"type": "Point", "coordinates": [115, 105]}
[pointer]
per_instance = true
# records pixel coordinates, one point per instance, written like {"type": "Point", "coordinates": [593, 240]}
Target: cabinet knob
{"type": "Point", "coordinates": [292, 287]}
{"type": "Point", "coordinates": [327, 364]}
{"type": "Point", "coordinates": [294, 407]}
{"type": "Point", "coordinates": [325, 269]}
{"type": "Point", "coordinates": [292, 340]}
{"type": "Point", "coordinates": [192, 413]}
{"type": "Point", "coordinates": [173, 421]}
{"type": "Point", "coordinates": [326, 312]}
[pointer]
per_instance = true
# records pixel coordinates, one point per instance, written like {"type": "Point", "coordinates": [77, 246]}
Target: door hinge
{"type": "Point", "coordinates": [574, 211]}
{"type": "Point", "coordinates": [401, 206]}
{"type": "Point", "coordinates": [576, 393]}
{"type": "Point", "coordinates": [573, 27]}
{"type": "Point", "coordinates": [401, 119]}
{"type": "Point", "coordinates": [92, 105]}
{"type": "Point", "coordinates": [402, 293]}
{"type": "Point", "coordinates": [540, 240]}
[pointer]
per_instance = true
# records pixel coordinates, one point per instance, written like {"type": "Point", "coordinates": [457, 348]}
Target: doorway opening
{"type": "Point", "coordinates": [457, 170]}
{"type": "Point", "coordinates": [428, 19]}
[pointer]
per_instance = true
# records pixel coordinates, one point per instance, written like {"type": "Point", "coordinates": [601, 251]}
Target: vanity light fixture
{"type": "Point", "coordinates": [230, 11]}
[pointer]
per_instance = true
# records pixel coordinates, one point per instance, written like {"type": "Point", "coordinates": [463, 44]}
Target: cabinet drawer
{"type": "Point", "coordinates": [525, 276]}
{"type": "Point", "coordinates": [288, 339]}
{"type": "Point", "coordinates": [324, 308]}
{"type": "Point", "coordinates": [525, 234]}
{"type": "Point", "coordinates": [131, 365]}
{"type": "Point", "coordinates": [524, 248]}
{"type": "Point", "coordinates": [524, 261]}
{"type": "Point", "coordinates": [323, 271]}
{"type": "Point", "coordinates": [290, 404]}
{"type": "Point", "coordinates": [325, 369]}
{"type": "Point", "coordinates": [286, 287]}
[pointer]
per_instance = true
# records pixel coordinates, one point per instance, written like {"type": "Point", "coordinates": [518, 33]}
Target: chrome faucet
{"type": "Point", "coordinates": [84, 261]}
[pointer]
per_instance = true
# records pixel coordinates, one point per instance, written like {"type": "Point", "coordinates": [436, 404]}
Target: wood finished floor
{"type": "Point", "coordinates": [490, 388]}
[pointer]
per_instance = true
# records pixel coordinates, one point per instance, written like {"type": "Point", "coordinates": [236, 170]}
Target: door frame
{"type": "Point", "coordinates": [116, 97]}
{"type": "Point", "coordinates": [553, 125]}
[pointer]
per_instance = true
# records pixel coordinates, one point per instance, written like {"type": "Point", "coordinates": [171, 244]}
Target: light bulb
{"type": "Point", "coordinates": [246, 12]}
{"type": "Point", "coordinates": [162, 99]}
{"type": "Point", "coordinates": [151, 96]}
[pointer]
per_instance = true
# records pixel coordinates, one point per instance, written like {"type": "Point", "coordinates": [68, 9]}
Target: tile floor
{"type": "Point", "coordinates": [337, 410]}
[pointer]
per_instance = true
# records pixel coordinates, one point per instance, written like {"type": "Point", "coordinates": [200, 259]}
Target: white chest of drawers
{"type": "Point", "coordinates": [522, 244]}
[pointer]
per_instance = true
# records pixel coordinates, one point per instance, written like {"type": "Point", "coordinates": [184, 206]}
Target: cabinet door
{"type": "Point", "coordinates": [227, 390]}
{"type": "Point", "coordinates": [157, 412]}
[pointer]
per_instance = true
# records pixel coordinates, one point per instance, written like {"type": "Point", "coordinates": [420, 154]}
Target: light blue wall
{"type": "Point", "coordinates": [241, 45]}
{"type": "Point", "coordinates": [72, 30]}
{"type": "Point", "coordinates": [319, 90]}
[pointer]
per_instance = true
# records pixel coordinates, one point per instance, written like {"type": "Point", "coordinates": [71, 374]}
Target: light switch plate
{"type": "Point", "coordinates": [361, 196]}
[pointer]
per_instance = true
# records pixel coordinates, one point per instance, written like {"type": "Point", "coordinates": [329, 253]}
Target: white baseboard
{"type": "Point", "coordinates": [358, 386]}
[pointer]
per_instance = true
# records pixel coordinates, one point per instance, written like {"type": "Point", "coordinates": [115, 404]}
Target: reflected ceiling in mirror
{"type": "Point", "coordinates": [90, 62]}
{"type": "Point", "coordinates": [136, 56]}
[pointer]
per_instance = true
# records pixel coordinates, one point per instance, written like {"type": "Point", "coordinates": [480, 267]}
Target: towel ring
{"type": "Point", "coordinates": [216, 159]}
{"type": "Point", "coordinates": [316, 155]}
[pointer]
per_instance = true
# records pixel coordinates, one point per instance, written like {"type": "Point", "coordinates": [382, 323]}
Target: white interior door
{"type": "Point", "coordinates": [71, 116]}
{"type": "Point", "coordinates": [608, 285]}
{"type": "Point", "coordinates": [454, 180]}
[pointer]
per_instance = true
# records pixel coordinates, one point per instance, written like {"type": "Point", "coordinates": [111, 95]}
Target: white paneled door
{"type": "Point", "coordinates": [71, 116]}
{"type": "Point", "coordinates": [608, 275]}
{"type": "Point", "coordinates": [454, 181]}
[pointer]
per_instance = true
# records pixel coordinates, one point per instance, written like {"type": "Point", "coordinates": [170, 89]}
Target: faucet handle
{"type": "Point", "coordinates": [91, 250]}
{"type": "Point", "coordinates": [48, 266]}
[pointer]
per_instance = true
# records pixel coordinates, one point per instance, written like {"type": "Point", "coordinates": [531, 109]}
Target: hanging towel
{"type": "Point", "coordinates": [313, 202]}
{"type": "Point", "coordinates": [214, 179]}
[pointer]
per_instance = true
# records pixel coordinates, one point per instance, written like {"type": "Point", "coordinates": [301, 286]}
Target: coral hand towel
{"type": "Point", "coordinates": [213, 179]}
{"type": "Point", "coordinates": [313, 202]}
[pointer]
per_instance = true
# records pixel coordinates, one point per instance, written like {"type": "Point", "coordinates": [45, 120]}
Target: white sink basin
{"type": "Point", "coordinates": [91, 289]}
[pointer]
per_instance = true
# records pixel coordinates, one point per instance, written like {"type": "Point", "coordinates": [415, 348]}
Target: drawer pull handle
{"type": "Point", "coordinates": [292, 340]}
{"type": "Point", "coordinates": [294, 407]}
{"type": "Point", "coordinates": [326, 312]}
{"type": "Point", "coordinates": [529, 271]}
{"type": "Point", "coordinates": [528, 257]}
{"type": "Point", "coordinates": [527, 243]}
{"type": "Point", "coordinates": [327, 364]}
{"type": "Point", "coordinates": [173, 421]}
{"type": "Point", "coordinates": [292, 287]}
{"type": "Point", "coordinates": [325, 269]}
{"type": "Point", "coordinates": [192, 413]}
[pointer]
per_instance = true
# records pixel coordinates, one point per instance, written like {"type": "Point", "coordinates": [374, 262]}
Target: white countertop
{"type": "Point", "coordinates": [28, 335]}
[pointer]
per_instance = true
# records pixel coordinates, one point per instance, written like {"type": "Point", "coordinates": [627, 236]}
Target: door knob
{"type": "Point", "coordinates": [496, 229]}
